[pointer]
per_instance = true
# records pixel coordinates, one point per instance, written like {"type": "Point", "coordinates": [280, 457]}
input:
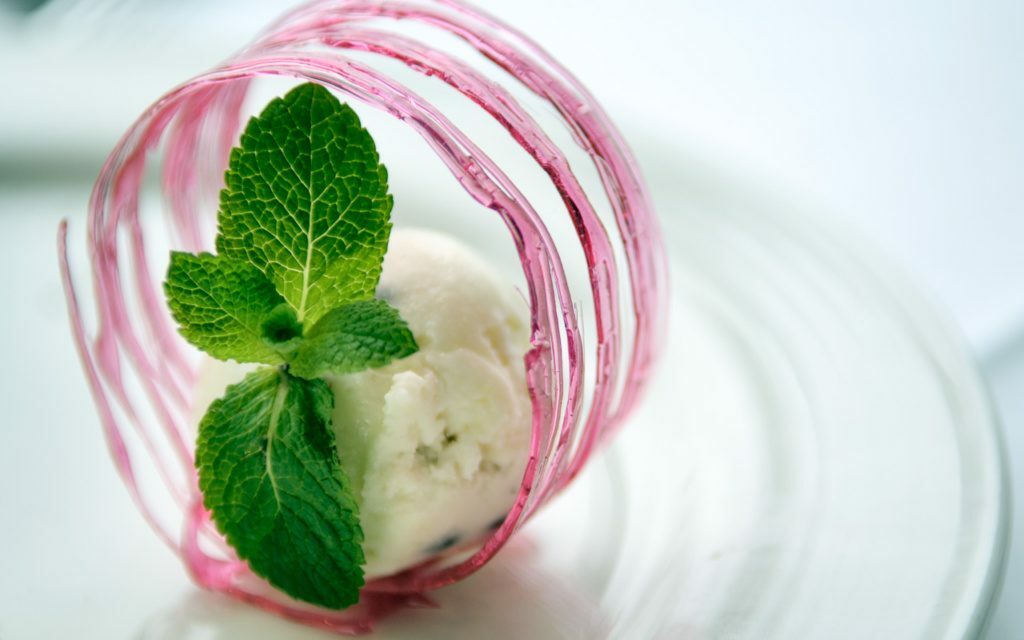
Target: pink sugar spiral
{"type": "Point", "coordinates": [138, 366]}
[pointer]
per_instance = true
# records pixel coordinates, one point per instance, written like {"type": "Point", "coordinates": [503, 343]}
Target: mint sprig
{"type": "Point", "coordinates": [303, 228]}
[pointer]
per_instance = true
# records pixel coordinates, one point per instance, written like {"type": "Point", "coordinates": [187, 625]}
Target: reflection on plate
{"type": "Point", "coordinates": [817, 458]}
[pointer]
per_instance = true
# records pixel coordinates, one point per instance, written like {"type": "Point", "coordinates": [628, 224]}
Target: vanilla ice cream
{"type": "Point", "coordinates": [434, 444]}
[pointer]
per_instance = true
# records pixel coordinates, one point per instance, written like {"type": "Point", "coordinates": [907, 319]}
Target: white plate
{"type": "Point", "coordinates": [817, 458]}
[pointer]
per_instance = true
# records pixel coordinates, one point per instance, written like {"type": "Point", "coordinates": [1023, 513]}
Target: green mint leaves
{"type": "Point", "coordinates": [356, 336]}
{"type": "Point", "coordinates": [303, 228]}
{"type": "Point", "coordinates": [307, 202]}
{"type": "Point", "coordinates": [221, 305]}
{"type": "Point", "coordinates": [269, 472]}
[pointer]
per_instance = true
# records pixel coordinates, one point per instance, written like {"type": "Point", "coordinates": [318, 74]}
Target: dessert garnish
{"type": "Point", "coordinates": [303, 226]}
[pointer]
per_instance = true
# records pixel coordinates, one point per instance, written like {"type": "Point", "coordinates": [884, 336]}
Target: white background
{"type": "Point", "coordinates": [905, 118]}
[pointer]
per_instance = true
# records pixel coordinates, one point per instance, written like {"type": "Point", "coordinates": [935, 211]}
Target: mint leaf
{"type": "Point", "coordinates": [220, 305]}
{"type": "Point", "coordinates": [270, 475]}
{"type": "Point", "coordinates": [360, 335]}
{"type": "Point", "coordinates": [306, 200]}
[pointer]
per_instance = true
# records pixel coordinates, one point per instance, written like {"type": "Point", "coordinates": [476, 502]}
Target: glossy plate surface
{"type": "Point", "coordinates": [817, 458]}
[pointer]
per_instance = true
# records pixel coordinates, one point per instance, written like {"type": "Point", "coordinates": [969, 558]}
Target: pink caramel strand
{"type": "Point", "coordinates": [139, 369]}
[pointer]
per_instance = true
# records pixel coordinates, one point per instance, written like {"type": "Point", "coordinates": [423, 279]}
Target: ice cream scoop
{"type": "Point", "coordinates": [434, 444]}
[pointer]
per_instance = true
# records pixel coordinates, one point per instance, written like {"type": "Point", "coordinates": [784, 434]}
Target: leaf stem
{"type": "Point", "coordinates": [275, 419]}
